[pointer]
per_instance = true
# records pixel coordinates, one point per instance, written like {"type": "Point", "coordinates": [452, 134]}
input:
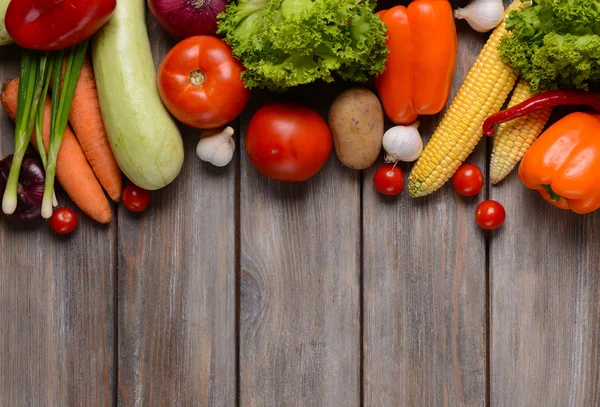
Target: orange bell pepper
{"type": "Point", "coordinates": [422, 44]}
{"type": "Point", "coordinates": [564, 163]}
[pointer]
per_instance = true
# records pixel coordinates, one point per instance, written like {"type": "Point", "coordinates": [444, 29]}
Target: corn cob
{"type": "Point", "coordinates": [513, 139]}
{"type": "Point", "coordinates": [482, 94]}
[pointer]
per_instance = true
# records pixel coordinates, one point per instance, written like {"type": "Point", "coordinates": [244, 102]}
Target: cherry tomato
{"type": "Point", "coordinates": [468, 180]}
{"type": "Point", "coordinates": [55, 24]}
{"type": "Point", "coordinates": [389, 179]}
{"type": "Point", "coordinates": [288, 141]}
{"type": "Point", "coordinates": [199, 82]}
{"type": "Point", "coordinates": [134, 198]}
{"type": "Point", "coordinates": [490, 215]}
{"type": "Point", "coordinates": [63, 221]}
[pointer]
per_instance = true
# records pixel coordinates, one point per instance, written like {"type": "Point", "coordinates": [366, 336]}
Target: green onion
{"type": "Point", "coordinates": [30, 88]}
{"type": "Point", "coordinates": [62, 97]}
{"type": "Point", "coordinates": [39, 122]}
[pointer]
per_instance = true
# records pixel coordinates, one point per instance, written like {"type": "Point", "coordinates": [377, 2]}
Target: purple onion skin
{"type": "Point", "coordinates": [30, 189]}
{"type": "Point", "coordinates": [186, 18]}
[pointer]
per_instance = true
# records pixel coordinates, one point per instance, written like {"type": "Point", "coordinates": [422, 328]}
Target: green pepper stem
{"type": "Point", "coordinates": [553, 195]}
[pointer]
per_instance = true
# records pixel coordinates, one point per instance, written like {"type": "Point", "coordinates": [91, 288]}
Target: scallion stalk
{"type": "Point", "coordinates": [62, 97]}
{"type": "Point", "coordinates": [30, 89]}
{"type": "Point", "coordinates": [39, 122]}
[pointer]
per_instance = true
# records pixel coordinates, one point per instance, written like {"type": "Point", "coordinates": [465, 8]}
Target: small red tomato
{"type": "Point", "coordinates": [490, 215]}
{"type": "Point", "coordinates": [200, 82]}
{"type": "Point", "coordinates": [134, 198]}
{"type": "Point", "coordinates": [63, 221]}
{"type": "Point", "coordinates": [288, 141]}
{"type": "Point", "coordinates": [468, 180]}
{"type": "Point", "coordinates": [389, 179]}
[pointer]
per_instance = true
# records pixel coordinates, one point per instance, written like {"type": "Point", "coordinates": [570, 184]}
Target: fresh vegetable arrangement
{"type": "Point", "coordinates": [94, 120]}
{"type": "Point", "coordinates": [483, 93]}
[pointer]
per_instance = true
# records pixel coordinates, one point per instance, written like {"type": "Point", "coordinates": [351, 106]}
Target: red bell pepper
{"type": "Point", "coordinates": [55, 24]}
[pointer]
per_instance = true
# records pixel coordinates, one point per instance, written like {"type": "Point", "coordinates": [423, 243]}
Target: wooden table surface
{"type": "Point", "coordinates": [235, 289]}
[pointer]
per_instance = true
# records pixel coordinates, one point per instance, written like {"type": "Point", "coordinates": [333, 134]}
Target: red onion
{"type": "Point", "coordinates": [186, 18]}
{"type": "Point", "coordinates": [30, 189]}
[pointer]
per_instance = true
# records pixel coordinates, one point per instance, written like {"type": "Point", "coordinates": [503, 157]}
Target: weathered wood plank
{"type": "Point", "coordinates": [176, 293]}
{"type": "Point", "coordinates": [300, 265]}
{"type": "Point", "coordinates": [56, 303]}
{"type": "Point", "coordinates": [425, 287]}
{"type": "Point", "coordinates": [545, 303]}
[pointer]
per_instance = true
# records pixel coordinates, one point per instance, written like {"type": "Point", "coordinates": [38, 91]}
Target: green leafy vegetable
{"type": "Point", "coordinates": [284, 43]}
{"type": "Point", "coordinates": [555, 44]}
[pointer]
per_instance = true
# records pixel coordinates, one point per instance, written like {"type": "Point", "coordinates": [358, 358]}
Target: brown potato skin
{"type": "Point", "coordinates": [356, 123]}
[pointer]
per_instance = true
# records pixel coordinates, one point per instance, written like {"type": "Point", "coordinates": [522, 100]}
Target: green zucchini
{"type": "Point", "coordinates": [4, 37]}
{"type": "Point", "coordinates": [145, 139]}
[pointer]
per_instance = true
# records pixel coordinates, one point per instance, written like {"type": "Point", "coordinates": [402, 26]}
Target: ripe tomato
{"type": "Point", "coordinates": [55, 24]}
{"type": "Point", "coordinates": [63, 221]}
{"type": "Point", "coordinates": [200, 82]}
{"type": "Point", "coordinates": [389, 179]}
{"type": "Point", "coordinates": [468, 180]}
{"type": "Point", "coordinates": [135, 198]}
{"type": "Point", "coordinates": [490, 215]}
{"type": "Point", "coordinates": [288, 141]}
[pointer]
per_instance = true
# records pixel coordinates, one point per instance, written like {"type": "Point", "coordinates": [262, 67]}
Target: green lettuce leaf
{"type": "Point", "coordinates": [555, 44]}
{"type": "Point", "coordinates": [285, 43]}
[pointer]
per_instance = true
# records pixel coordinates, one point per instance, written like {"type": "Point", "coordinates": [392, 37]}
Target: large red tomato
{"type": "Point", "coordinates": [199, 81]}
{"type": "Point", "coordinates": [288, 141]}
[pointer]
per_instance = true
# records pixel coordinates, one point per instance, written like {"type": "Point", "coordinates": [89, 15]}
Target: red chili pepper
{"type": "Point", "coordinates": [49, 25]}
{"type": "Point", "coordinates": [542, 101]}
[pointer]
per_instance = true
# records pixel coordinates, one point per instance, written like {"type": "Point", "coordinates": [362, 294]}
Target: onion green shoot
{"type": "Point", "coordinates": [33, 69]}
{"type": "Point", "coordinates": [39, 122]}
{"type": "Point", "coordinates": [62, 97]}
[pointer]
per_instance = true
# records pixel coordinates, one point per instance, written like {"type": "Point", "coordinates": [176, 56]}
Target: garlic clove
{"type": "Point", "coordinates": [216, 146]}
{"type": "Point", "coordinates": [482, 15]}
{"type": "Point", "coordinates": [403, 143]}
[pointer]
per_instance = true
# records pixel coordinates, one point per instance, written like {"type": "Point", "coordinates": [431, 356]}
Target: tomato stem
{"type": "Point", "coordinates": [197, 77]}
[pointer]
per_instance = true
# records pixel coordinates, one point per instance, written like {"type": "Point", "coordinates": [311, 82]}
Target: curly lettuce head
{"type": "Point", "coordinates": [555, 44]}
{"type": "Point", "coordinates": [285, 43]}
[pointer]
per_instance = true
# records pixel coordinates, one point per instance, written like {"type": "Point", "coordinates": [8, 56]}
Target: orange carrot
{"type": "Point", "coordinates": [85, 118]}
{"type": "Point", "coordinates": [72, 169]}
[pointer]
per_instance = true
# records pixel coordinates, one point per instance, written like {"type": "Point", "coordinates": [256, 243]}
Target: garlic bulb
{"type": "Point", "coordinates": [482, 15]}
{"type": "Point", "coordinates": [403, 143]}
{"type": "Point", "coordinates": [216, 146]}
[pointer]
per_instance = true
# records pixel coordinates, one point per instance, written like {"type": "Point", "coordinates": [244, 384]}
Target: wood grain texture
{"type": "Point", "coordinates": [56, 303]}
{"type": "Point", "coordinates": [177, 286]}
{"type": "Point", "coordinates": [545, 303]}
{"type": "Point", "coordinates": [300, 264]}
{"type": "Point", "coordinates": [425, 287]}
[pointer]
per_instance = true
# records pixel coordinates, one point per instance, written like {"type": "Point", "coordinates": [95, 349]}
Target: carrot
{"type": "Point", "coordinates": [85, 118]}
{"type": "Point", "coordinates": [72, 169]}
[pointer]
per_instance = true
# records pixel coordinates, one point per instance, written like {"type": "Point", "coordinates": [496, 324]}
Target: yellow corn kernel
{"type": "Point", "coordinates": [513, 138]}
{"type": "Point", "coordinates": [482, 94]}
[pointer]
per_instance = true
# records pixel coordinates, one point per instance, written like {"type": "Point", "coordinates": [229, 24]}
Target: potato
{"type": "Point", "coordinates": [356, 122]}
